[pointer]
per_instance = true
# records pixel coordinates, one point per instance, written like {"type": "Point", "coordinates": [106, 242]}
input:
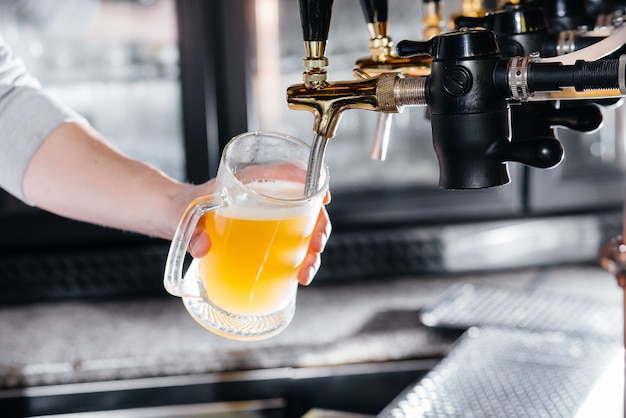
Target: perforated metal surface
{"type": "Point", "coordinates": [498, 372]}
{"type": "Point", "coordinates": [466, 305]}
{"type": "Point", "coordinates": [114, 272]}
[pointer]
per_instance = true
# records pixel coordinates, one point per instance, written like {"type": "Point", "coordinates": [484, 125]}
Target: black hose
{"type": "Point", "coordinates": [583, 75]}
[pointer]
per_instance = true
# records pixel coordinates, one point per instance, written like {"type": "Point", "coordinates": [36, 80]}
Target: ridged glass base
{"type": "Point", "coordinates": [239, 327]}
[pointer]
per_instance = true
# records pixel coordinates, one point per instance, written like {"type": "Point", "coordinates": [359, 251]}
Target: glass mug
{"type": "Point", "coordinates": [260, 224]}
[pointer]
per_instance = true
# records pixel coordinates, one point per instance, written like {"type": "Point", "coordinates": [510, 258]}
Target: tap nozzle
{"type": "Point", "coordinates": [388, 93]}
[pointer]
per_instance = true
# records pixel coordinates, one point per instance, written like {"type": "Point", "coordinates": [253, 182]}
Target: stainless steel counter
{"type": "Point", "coordinates": [374, 321]}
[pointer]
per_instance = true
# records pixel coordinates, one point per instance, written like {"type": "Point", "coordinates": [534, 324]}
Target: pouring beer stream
{"type": "Point", "coordinates": [316, 162]}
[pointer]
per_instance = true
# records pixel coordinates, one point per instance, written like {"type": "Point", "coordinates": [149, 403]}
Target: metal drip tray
{"type": "Point", "coordinates": [465, 305]}
{"type": "Point", "coordinates": [499, 372]}
{"type": "Point", "coordinates": [524, 353]}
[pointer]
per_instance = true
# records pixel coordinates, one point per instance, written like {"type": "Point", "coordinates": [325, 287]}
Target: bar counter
{"type": "Point", "coordinates": [342, 323]}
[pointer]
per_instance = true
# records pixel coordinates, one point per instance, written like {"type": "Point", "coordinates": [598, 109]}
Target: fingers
{"type": "Point", "coordinates": [321, 233]}
{"type": "Point", "coordinates": [309, 268]}
{"type": "Point", "coordinates": [313, 259]}
{"type": "Point", "coordinates": [327, 198]}
{"type": "Point", "coordinates": [200, 243]}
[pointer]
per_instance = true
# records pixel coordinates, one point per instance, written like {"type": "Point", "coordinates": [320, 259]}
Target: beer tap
{"type": "Point", "coordinates": [432, 18]}
{"type": "Point", "coordinates": [523, 30]}
{"type": "Point", "coordinates": [468, 92]}
{"type": "Point", "coordinates": [380, 44]}
{"type": "Point", "coordinates": [564, 15]}
{"type": "Point", "coordinates": [328, 100]}
{"type": "Point", "coordinates": [382, 59]}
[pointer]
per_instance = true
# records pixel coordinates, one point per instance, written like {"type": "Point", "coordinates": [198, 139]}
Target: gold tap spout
{"type": "Point", "coordinates": [387, 92]}
{"type": "Point", "coordinates": [330, 99]}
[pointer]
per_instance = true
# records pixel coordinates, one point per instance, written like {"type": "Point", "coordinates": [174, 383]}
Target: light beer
{"type": "Point", "coordinates": [256, 252]}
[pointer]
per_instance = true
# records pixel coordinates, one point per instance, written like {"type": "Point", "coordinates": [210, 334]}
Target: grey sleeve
{"type": "Point", "coordinates": [27, 117]}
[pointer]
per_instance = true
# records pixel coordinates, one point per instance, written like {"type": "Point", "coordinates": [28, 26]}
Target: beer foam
{"type": "Point", "coordinates": [247, 208]}
{"type": "Point", "coordinates": [278, 189]}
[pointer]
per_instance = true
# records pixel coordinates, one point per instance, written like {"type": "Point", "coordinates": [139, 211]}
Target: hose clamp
{"type": "Point", "coordinates": [518, 77]}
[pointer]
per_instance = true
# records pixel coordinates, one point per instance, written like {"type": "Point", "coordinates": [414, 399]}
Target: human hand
{"type": "Point", "coordinates": [313, 258]}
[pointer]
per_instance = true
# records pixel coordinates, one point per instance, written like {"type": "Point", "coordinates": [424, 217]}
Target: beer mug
{"type": "Point", "coordinates": [260, 224]}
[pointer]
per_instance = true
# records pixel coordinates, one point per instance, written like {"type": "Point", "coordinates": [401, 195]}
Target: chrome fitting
{"type": "Point", "coordinates": [393, 92]}
{"type": "Point", "coordinates": [517, 77]}
{"type": "Point", "coordinates": [411, 91]}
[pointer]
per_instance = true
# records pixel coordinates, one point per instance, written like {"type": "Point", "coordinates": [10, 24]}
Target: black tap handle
{"type": "Point", "coordinates": [407, 49]}
{"type": "Point", "coordinates": [315, 18]}
{"type": "Point", "coordinates": [579, 116]}
{"type": "Point", "coordinates": [374, 10]}
{"type": "Point", "coordinates": [470, 22]}
{"type": "Point", "coordinates": [463, 43]}
{"type": "Point", "coordinates": [541, 152]}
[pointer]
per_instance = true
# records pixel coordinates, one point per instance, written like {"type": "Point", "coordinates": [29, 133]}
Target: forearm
{"type": "Point", "coordinates": [76, 174]}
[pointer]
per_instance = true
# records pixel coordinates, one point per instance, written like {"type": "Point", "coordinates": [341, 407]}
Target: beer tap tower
{"type": "Point", "coordinates": [383, 59]}
{"type": "Point", "coordinates": [470, 86]}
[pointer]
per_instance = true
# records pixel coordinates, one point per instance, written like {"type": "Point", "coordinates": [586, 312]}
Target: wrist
{"type": "Point", "coordinates": [179, 199]}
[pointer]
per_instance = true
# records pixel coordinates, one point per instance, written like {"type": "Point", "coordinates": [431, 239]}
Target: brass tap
{"type": "Point", "coordinates": [383, 60]}
{"type": "Point", "coordinates": [472, 8]}
{"type": "Point", "coordinates": [315, 64]}
{"type": "Point", "coordinates": [387, 92]}
{"type": "Point", "coordinates": [432, 18]}
{"type": "Point", "coordinates": [380, 44]}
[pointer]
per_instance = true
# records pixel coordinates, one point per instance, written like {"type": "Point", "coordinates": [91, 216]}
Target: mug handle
{"type": "Point", "coordinates": [173, 277]}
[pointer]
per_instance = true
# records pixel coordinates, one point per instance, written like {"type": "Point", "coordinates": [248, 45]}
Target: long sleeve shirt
{"type": "Point", "coordinates": [27, 117]}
